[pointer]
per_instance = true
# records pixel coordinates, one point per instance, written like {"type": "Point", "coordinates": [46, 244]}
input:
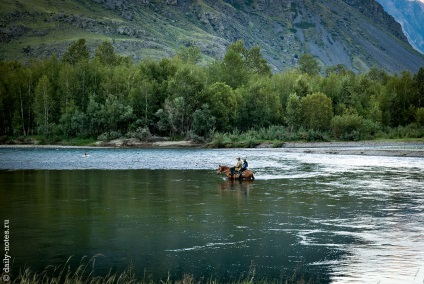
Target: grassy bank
{"type": "Point", "coordinates": [272, 137]}
{"type": "Point", "coordinates": [276, 136]}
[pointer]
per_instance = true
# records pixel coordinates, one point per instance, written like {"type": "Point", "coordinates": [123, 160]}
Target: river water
{"type": "Point", "coordinates": [165, 212]}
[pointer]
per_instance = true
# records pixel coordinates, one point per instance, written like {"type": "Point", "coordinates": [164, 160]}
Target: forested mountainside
{"type": "Point", "coordinates": [357, 34]}
{"type": "Point", "coordinates": [410, 14]}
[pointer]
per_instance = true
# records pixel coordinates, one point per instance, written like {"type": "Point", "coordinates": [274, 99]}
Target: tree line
{"type": "Point", "coordinates": [106, 96]}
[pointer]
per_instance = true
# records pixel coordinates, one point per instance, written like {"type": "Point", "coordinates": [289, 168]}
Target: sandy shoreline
{"type": "Point", "coordinates": [366, 148]}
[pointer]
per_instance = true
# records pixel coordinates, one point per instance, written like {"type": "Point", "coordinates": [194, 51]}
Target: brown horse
{"type": "Point", "coordinates": [245, 175]}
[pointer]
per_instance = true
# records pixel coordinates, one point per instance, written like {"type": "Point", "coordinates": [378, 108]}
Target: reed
{"type": "Point", "coordinates": [84, 273]}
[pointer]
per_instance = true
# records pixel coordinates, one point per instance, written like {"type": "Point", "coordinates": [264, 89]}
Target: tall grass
{"type": "Point", "coordinates": [66, 274]}
{"type": "Point", "coordinates": [84, 273]}
{"type": "Point", "coordinates": [275, 135]}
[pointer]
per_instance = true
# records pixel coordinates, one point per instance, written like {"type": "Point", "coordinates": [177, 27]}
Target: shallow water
{"type": "Point", "coordinates": [328, 218]}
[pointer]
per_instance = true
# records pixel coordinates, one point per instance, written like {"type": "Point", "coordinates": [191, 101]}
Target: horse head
{"type": "Point", "coordinates": [222, 169]}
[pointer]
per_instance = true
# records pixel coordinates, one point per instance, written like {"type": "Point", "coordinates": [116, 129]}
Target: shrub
{"type": "Point", "coordinates": [195, 138]}
{"type": "Point", "coordinates": [142, 133]}
{"type": "Point", "coordinates": [109, 136]}
{"type": "Point", "coordinates": [369, 129]}
{"type": "Point", "coordinates": [419, 116]}
{"type": "Point", "coordinates": [346, 127]}
{"type": "Point", "coordinates": [218, 140]}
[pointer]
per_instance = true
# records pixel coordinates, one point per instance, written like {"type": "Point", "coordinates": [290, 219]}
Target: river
{"type": "Point", "coordinates": [165, 212]}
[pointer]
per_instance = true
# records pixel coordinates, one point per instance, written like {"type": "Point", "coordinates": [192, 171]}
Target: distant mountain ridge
{"type": "Point", "coordinates": [358, 34]}
{"type": "Point", "coordinates": [410, 14]}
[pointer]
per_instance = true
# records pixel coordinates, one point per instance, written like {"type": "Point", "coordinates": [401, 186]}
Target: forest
{"type": "Point", "coordinates": [104, 96]}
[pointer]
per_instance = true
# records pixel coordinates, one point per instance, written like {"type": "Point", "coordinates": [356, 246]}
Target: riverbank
{"type": "Point", "coordinates": [396, 148]}
{"type": "Point", "coordinates": [366, 148]}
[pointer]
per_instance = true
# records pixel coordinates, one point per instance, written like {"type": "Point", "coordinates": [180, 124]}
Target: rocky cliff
{"type": "Point", "coordinates": [358, 34]}
{"type": "Point", "coordinates": [410, 14]}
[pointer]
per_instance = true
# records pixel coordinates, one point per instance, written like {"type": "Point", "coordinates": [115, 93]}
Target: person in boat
{"type": "Point", "coordinates": [237, 167]}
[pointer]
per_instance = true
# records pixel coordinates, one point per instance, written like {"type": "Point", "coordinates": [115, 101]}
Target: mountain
{"type": "Point", "coordinates": [358, 34]}
{"type": "Point", "coordinates": [410, 14]}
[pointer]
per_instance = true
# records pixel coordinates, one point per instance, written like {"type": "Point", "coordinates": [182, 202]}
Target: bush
{"type": "Point", "coordinates": [274, 132]}
{"type": "Point", "coordinates": [413, 130]}
{"type": "Point", "coordinates": [109, 136]}
{"type": "Point", "coordinates": [218, 140]}
{"type": "Point", "coordinates": [346, 127]}
{"type": "Point", "coordinates": [369, 129]}
{"type": "Point", "coordinates": [316, 135]}
{"type": "Point", "coordinates": [195, 138]}
{"type": "Point", "coordinates": [419, 116]}
{"type": "Point", "coordinates": [142, 133]}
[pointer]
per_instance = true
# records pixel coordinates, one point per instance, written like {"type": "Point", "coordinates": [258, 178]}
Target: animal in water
{"type": "Point", "coordinates": [245, 175]}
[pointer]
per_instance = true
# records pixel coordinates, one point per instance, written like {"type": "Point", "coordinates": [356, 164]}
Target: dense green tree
{"type": "Point", "coordinates": [418, 84]}
{"type": "Point", "coordinates": [73, 122]}
{"type": "Point", "coordinates": [77, 52]}
{"type": "Point", "coordinates": [88, 79]}
{"type": "Point", "coordinates": [239, 63]}
{"type": "Point", "coordinates": [317, 111]}
{"type": "Point", "coordinates": [94, 117]}
{"type": "Point", "coordinates": [116, 115]}
{"type": "Point", "coordinates": [14, 93]}
{"type": "Point", "coordinates": [188, 84]}
{"type": "Point", "coordinates": [109, 96]}
{"type": "Point", "coordinates": [105, 54]}
{"type": "Point", "coordinates": [374, 112]}
{"type": "Point", "coordinates": [331, 85]}
{"type": "Point", "coordinates": [8, 107]}
{"type": "Point", "coordinates": [67, 83]}
{"type": "Point", "coordinates": [293, 112]}
{"type": "Point", "coordinates": [173, 117]}
{"type": "Point", "coordinates": [309, 64]}
{"type": "Point", "coordinates": [285, 84]}
{"type": "Point", "coordinates": [338, 70]}
{"type": "Point", "coordinates": [43, 105]}
{"type": "Point", "coordinates": [378, 75]}
{"type": "Point", "coordinates": [397, 101]}
{"type": "Point", "coordinates": [256, 63]}
{"type": "Point", "coordinates": [233, 70]}
{"type": "Point", "coordinates": [346, 127]}
{"type": "Point", "coordinates": [302, 86]}
{"type": "Point", "coordinates": [420, 116]}
{"type": "Point", "coordinates": [189, 55]}
{"type": "Point", "coordinates": [203, 121]}
{"type": "Point", "coordinates": [223, 103]}
{"type": "Point", "coordinates": [141, 100]}
{"type": "Point", "coordinates": [259, 106]}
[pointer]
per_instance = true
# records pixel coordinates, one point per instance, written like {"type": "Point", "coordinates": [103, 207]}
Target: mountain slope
{"type": "Point", "coordinates": [410, 14]}
{"type": "Point", "coordinates": [357, 34]}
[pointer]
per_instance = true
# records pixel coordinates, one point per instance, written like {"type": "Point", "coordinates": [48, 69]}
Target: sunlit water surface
{"type": "Point", "coordinates": [324, 218]}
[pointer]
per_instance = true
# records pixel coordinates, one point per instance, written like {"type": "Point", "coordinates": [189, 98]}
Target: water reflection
{"type": "Point", "coordinates": [345, 220]}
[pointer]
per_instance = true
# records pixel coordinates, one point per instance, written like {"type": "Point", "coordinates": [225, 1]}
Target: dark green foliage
{"type": "Point", "coordinates": [309, 64]}
{"type": "Point", "coordinates": [317, 112]}
{"type": "Point", "coordinates": [105, 54]}
{"type": "Point", "coordinates": [77, 52]}
{"type": "Point", "coordinates": [346, 127]}
{"type": "Point", "coordinates": [203, 121]}
{"type": "Point", "coordinates": [233, 102]}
